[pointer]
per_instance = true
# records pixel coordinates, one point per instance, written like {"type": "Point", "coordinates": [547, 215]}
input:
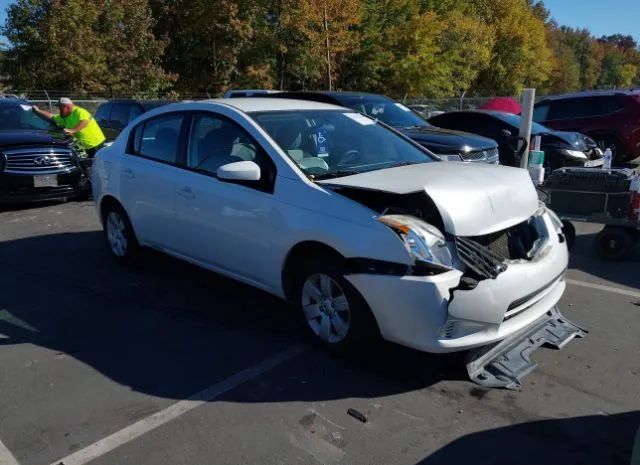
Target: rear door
{"type": "Point", "coordinates": [147, 178]}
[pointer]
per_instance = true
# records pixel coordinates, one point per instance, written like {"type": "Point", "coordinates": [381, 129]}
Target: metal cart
{"type": "Point", "coordinates": [621, 233]}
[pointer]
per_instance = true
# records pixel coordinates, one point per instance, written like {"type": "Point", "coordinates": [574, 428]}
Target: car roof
{"type": "Point", "coordinates": [592, 93]}
{"type": "Point", "coordinates": [335, 95]}
{"type": "Point", "coordinates": [14, 101]}
{"type": "Point", "coordinates": [256, 104]}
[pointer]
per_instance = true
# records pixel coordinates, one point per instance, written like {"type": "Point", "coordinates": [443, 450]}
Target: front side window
{"type": "Point", "coordinates": [215, 141]}
{"type": "Point", "coordinates": [158, 138]}
{"type": "Point", "coordinates": [331, 143]}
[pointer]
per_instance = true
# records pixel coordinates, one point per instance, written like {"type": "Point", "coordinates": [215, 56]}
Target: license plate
{"type": "Point", "coordinates": [45, 181]}
{"type": "Point", "coordinates": [592, 163]}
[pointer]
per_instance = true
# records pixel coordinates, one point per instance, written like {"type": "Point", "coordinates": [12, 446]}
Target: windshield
{"type": "Point", "coordinates": [392, 113]}
{"type": "Point", "coordinates": [514, 120]}
{"type": "Point", "coordinates": [330, 143]}
{"type": "Point", "coordinates": [15, 117]}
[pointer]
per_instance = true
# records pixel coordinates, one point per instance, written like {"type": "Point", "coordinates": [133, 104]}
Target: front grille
{"type": "Point", "coordinates": [489, 156]}
{"type": "Point", "coordinates": [480, 259]}
{"type": "Point", "coordinates": [513, 243]}
{"type": "Point", "coordinates": [38, 160]}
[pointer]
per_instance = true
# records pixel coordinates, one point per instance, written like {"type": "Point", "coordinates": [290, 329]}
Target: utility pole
{"type": "Point", "coordinates": [326, 31]}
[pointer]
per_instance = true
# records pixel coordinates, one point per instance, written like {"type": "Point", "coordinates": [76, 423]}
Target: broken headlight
{"type": "Point", "coordinates": [424, 242]}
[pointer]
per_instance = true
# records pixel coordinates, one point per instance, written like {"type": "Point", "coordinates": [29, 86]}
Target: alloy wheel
{"type": "Point", "coordinates": [116, 234]}
{"type": "Point", "coordinates": [326, 308]}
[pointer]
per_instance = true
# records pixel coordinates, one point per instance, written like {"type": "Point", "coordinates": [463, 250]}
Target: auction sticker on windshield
{"type": "Point", "coordinates": [357, 117]}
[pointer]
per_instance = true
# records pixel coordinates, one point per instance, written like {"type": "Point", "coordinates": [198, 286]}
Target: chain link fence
{"type": "Point", "coordinates": [90, 101]}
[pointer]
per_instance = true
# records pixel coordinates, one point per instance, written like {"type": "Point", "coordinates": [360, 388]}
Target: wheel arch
{"type": "Point", "coordinates": [297, 255]}
{"type": "Point", "coordinates": [106, 202]}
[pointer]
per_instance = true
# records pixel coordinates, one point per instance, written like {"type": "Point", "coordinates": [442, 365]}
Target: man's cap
{"type": "Point", "coordinates": [65, 101]}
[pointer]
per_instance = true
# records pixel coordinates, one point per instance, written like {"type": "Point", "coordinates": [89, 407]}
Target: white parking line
{"type": "Point", "coordinates": [600, 287]}
{"type": "Point", "coordinates": [172, 412]}
{"type": "Point", "coordinates": [6, 457]}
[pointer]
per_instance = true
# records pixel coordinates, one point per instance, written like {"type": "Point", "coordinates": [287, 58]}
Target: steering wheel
{"type": "Point", "coordinates": [349, 156]}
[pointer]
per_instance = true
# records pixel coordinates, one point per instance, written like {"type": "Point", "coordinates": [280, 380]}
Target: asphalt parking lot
{"type": "Point", "coordinates": [168, 364]}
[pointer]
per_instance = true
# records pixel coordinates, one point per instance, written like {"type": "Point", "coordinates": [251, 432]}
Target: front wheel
{"type": "Point", "coordinates": [120, 236]}
{"type": "Point", "coordinates": [333, 310]}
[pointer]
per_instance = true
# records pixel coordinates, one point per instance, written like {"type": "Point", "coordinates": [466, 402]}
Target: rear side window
{"type": "Point", "coordinates": [158, 138]}
{"type": "Point", "coordinates": [134, 112]}
{"type": "Point", "coordinates": [102, 114]}
{"type": "Point", "coordinates": [541, 112]}
{"type": "Point", "coordinates": [120, 115]}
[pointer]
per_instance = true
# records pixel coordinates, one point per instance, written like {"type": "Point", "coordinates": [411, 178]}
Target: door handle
{"type": "Point", "coordinates": [187, 193]}
{"type": "Point", "coordinates": [128, 174]}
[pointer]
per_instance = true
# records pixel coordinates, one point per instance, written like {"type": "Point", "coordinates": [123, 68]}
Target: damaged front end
{"type": "Point", "coordinates": [466, 292]}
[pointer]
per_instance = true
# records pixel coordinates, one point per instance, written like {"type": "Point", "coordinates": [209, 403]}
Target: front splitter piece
{"type": "Point", "coordinates": [504, 364]}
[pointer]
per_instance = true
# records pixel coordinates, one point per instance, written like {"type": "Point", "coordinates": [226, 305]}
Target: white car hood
{"type": "Point", "coordinates": [473, 199]}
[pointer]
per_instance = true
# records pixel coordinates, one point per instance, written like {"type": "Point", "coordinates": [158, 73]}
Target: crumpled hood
{"type": "Point", "coordinates": [573, 140]}
{"type": "Point", "coordinates": [473, 200]}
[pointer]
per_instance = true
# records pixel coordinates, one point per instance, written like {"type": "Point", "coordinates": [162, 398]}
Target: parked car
{"type": "Point", "coordinates": [366, 231]}
{"type": "Point", "coordinates": [113, 115]}
{"type": "Point", "coordinates": [611, 118]}
{"type": "Point", "coordinates": [448, 145]}
{"type": "Point", "coordinates": [560, 148]}
{"type": "Point", "coordinates": [37, 162]}
{"type": "Point", "coordinates": [235, 93]}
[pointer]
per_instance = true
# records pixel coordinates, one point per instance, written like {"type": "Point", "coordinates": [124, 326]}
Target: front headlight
{"type": "Point", "coordinates": [575, 154]}
{"type": "Point", "coordinates": [447, 157]}
{"type": "Point", "coordinates": [555, 219]}
{"type": "Point", "coordinates": [424, 242]}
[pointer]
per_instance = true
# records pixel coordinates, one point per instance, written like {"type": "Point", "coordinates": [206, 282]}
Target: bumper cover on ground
{"type": "Point", "coordinates": [504, 364]}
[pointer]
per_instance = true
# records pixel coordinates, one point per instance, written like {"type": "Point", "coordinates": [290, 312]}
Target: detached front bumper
{"type": "Point", "coordinates": [434, 314]}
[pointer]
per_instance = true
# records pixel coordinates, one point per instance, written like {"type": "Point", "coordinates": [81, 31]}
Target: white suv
{"type": "Point", "coordinates": [362, 228]}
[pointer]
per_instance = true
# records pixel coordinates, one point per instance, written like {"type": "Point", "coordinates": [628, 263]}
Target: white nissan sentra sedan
{"type": "Point", "coordinates": [366, 231]}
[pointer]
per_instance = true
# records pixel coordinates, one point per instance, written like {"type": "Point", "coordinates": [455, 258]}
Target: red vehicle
{"type": "Point", "coordinates": [611, 118]}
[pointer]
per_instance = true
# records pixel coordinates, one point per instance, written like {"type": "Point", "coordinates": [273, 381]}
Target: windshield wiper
{"type": "Point", "coordinates": [336, 174]}
{"type": "Point", "coordinates": [405, 163]}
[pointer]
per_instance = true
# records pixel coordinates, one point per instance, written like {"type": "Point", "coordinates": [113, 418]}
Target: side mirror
{"type": "Point", "coordinates": [506, 133]}
{"type": "Point", "coordinates": [239, 171]}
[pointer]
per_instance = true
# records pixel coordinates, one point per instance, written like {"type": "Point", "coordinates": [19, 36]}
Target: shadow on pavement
{"type": "Point", "coordinates": [591, 440]}
{"type": "Point", "coordinates": [170, 329]}
{"type": "Point", "coordinates": [584, 257]}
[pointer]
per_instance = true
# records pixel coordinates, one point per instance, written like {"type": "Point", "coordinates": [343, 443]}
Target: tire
{"type": "Point", "coordinates": [614, 243]}
{"type": "Point", "coordinates": [569, 231]}
{"type": "Point", "coordinates": [333, 311]}
{"type": "Point", "coordinates": [605, 142]}
{"type": "Point", "coordinates": [121, 239]}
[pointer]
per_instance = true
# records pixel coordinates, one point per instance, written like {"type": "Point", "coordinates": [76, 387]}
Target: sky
{"type": "Point", "coordinates": [602, 17]}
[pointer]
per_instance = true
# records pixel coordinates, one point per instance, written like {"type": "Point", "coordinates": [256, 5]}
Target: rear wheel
{"type": "Point", "coordinates": [334, 312]}
{"type": "Point", "coordinates": [120, 236]}
{"type": "Point", "coordinates": [614, 243]}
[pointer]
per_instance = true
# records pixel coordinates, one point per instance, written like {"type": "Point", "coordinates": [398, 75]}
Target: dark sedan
{"type": "Point", "coordinates": [560, 148]}
{"type": "Point", "coordinates": [449, 145]}
{"type": "Point", "coordinates": [36, 161]}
